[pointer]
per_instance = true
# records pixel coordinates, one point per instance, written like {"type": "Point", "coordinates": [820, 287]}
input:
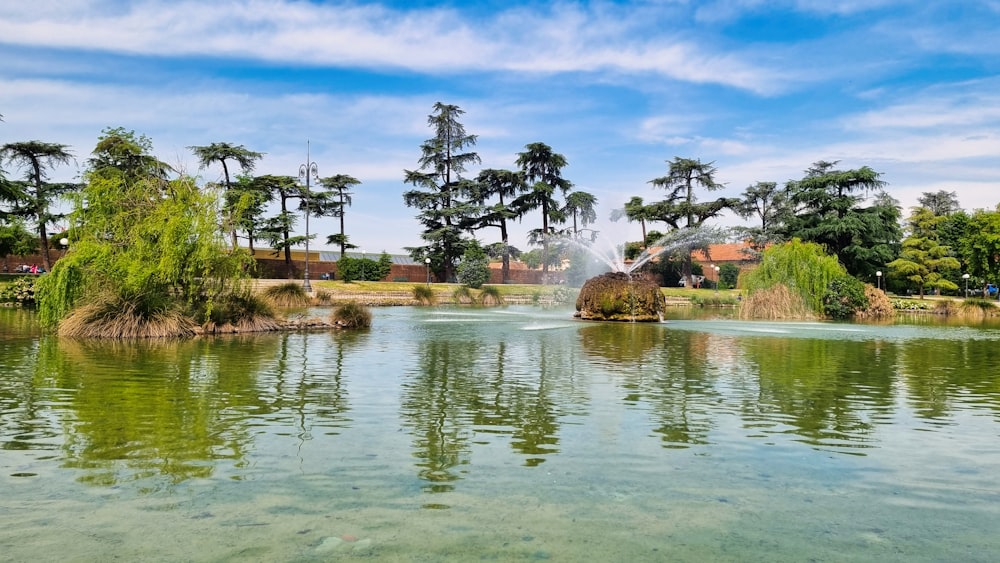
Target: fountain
{"type": "Point", "coordinates": [619, 295]}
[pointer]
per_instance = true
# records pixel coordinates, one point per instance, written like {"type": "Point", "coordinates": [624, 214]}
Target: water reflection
{"type": "Point", "coordinates": [468, 381]}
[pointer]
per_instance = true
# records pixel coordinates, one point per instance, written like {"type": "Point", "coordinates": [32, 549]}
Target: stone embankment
{"type": "Point", "coordinates": [335, 294]}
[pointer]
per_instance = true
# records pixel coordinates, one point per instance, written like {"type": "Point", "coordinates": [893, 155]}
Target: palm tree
{"type": "Point", "coordinates": [340, 185]}
{"type": "Point", "coordinates": [542, 168]}
{"type": "Point", "coordinates": [580, 206]}
{"type": "Point", "coordinates": [39, 157]}
{"type": "Point", "coordinates": [636, 210]}
{"type": "Point", "coordinates": [222, 152]}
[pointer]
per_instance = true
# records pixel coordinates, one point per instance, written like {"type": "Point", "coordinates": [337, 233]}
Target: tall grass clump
{"type": "Point", "coordinates": [423, 295]}
{"type": "Point", "coordinates": [979, 307]}
{"type": "Point", "coordinates": [491, 295]}
{"type": "Point", "coordinates": [775, 302]}
{"type": "Point", "coordinates": [287, 295]}
{"type": "Point", "coordinates": [238, 312]}
{"type": "Point", "coordinates": [463, 295]}
{"type": "Point", "coordinates": [352, 315]}
{"type": "Point", "coordinates": [804, 270]}
{"type": "Point", "coordinates": [128, 317]}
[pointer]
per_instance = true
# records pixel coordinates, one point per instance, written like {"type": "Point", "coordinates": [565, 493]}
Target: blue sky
{"type": "Point", "coordinates": [762, 88]}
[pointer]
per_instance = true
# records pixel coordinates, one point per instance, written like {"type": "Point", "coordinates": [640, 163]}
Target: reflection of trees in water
{"type": "Point", "coordinates": [830, 392]}
{"type": "Point", "coordinates": [438, 401]}
{"type": "Point", "coordinates": [684, 391]}
{"type": "Point", "coordinates": [665, 369]}
{"type": "Point", "coordinates": [144, 409]}
{"type": "Point", "coordinates": [161, 412]}
{"type": "Point", "coordinates": [940, 372]}
{"type": "Point", "coordinates": [516, 385]}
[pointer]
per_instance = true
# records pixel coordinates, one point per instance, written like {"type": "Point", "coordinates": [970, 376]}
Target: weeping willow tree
{"type": "Point", "coordinates": [146, 258]}
{"type": "Point", "coordinates": [803, 271]}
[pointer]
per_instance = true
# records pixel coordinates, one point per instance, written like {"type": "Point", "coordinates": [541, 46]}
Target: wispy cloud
{"type": "Point", "coordinates": [567, 38]}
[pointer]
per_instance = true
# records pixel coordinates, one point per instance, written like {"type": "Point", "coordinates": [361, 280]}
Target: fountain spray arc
{"type": "Point", "coordinates": [615, 295]}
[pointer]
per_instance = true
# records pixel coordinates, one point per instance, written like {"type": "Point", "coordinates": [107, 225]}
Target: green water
{"type": "Point", "coordinates": [505, 434]}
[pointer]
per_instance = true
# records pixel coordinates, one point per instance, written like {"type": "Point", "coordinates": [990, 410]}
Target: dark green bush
{"type": "Point", "coordinates": [844, 296]}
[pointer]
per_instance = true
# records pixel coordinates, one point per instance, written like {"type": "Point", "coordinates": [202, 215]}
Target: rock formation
{"type": "Point", "coordinates": [617, 297]}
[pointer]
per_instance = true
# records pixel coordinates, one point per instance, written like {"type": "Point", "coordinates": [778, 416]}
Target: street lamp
{"type": "Point", "coordinates": [308, 172]}
{"type": "Point", "coordinates": [878, 279]}
{"type": "Point", "coordinates": [427, 263]}
{"type": "Point", "coordinates": [966, 278]}
{"type": "Point", "coordinates": [64, 243]}
{"type": "Point", "coordinates": [717, 278]}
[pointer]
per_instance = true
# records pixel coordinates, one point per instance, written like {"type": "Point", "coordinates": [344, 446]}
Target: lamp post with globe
{"type": "Point", "coordinates": [308, 172]}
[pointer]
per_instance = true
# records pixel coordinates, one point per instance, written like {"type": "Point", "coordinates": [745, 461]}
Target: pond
{"type": "Point", "coordinates": [517, 433]}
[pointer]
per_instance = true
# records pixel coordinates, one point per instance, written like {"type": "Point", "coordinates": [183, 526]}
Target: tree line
{"type": "Point", "coordinates": [847, 212]}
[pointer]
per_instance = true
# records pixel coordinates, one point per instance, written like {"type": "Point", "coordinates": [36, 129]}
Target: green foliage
{"type": "Point", "coordinates": [729, 274]}
{"type": "Point", "coordinates": [139, 236]}
{"type": "Point", "coordinates": [352, 315]}
{"type": "Point", "coordinates": [474, 269]}
{"type": "Point", "coordinates": [20, 291]}
{"type": "Point", "coordinates": [830, 212]}
{"type": "Point", "coordinates": [361, 269]}
{"type": "Point", "coordinates": [981, 244]}
{"type": "Point", "coordinates": [845, 296]}
{"type": "Point", "coordinates": [923, 258]}
{"type": "Point", "coordinates": [804, 268]}
{"type": "Point", "coordinates": [542, 169]}
{"type": "Point", "coordinates": [16, 240]}
{"type": "Point", "coordinates": [439, 186]}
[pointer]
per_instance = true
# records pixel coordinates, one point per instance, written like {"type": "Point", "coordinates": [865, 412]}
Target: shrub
{"type": "Point", "coordinates": [290, 294]}
{"type": "Point", "coordinates": [879, 305]}
{"type": "Point", "coordinates": [803, 268]}
{"type": "Point", "coordinates": [352, 315]}
{"type": "Point", "coordinates": [844, 296]}
{"type": "Point", "coordinates": [323, 297]}
{"type": "Point", "coordinates": [361, 269]}
{"type": "Point", "coordinates": [20, 291]}
{"type": "Point", "coordinates": [474, 269]}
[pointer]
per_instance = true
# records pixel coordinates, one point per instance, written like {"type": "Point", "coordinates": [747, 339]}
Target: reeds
{"type": "Point", "coordinates": [775, 302]}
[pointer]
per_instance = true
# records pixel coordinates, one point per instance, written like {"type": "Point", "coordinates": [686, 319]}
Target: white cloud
{"type": "Point", "coordinates": [566, 39]}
